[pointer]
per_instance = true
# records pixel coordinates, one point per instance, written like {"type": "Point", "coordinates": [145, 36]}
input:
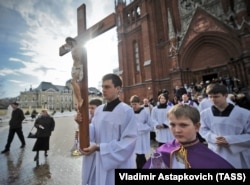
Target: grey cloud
{"type": "Point", "coordinates": [44, 69]}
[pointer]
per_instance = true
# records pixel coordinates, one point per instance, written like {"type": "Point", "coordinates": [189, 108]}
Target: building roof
{"type": "Point", "coordinates": [45, 86]}
{"type": "Point", "coordinates": [61, 87]}
{"type": "Point", "coordinates": [48, 86]}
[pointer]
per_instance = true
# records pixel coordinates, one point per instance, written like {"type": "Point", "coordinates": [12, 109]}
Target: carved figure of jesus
{"type": "Point", "coordinates": [77, 75]}
{"type": "Point", "coordinates": [77, 71]}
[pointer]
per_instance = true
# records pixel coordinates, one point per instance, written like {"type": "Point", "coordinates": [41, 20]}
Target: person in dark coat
{"type": "Point", "coordinates": [45, 124]}
{"type": "Point", "coordinates": [15, 123]}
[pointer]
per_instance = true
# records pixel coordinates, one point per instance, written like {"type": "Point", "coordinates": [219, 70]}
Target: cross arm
{"type": "Point", "coordinates": [102, 26]}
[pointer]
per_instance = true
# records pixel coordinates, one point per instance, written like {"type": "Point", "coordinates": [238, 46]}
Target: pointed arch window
{"type": "Point", "coordinates": [136, 56]}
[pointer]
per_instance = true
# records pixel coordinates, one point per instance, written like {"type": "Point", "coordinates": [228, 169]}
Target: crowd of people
{"type": "Point", "coordinates": [191, 132]}
{"type": "Point", "coordinates": [205, 129]}
{"type": "Point", "coordinates": [197, 92]}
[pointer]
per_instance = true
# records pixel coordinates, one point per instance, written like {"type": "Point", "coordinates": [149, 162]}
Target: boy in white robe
{"type": "Point", "coordinates": [147, 106]}
{"type": "Point", "coordinates": [115, 133]}
{"type": "Point", "coordinates": [206, 103]}
{"type": "Point", "coordinates": [143, 122]}
{"type": "Point", "coordinates": [226, 128]}
{"type": "Point", "coordinates": [160, 122]}
{"type": "Point", "coordinates": [88, 162]}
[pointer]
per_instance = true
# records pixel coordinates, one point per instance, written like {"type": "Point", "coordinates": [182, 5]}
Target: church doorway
{"type": "Point", "coordinates": [209, 77]}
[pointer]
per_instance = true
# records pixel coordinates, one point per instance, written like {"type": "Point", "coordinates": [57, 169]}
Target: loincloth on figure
{"type": "Point", "coordinates": [77, 73]}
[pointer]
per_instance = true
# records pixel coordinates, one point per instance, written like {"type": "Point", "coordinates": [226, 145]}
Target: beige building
{"type": "Point", "coordinates": [48, 96]}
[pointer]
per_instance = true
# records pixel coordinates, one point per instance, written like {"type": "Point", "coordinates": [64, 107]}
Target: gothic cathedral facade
{"type": "Point", "coordinates": [167, 43]}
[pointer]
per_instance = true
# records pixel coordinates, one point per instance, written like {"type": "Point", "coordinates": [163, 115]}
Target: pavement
{"type": "Point", "coordinates": [18, 167]}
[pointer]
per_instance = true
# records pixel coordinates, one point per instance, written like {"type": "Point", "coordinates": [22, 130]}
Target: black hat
{"type": "Point", "coordinates": [15, 103]}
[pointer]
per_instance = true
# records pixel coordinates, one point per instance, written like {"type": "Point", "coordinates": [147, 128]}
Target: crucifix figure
{"type": "Point", "coordinates": [79, 70]}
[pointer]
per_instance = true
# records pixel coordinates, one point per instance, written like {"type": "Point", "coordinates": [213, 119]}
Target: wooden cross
{"type": "Point", "coordinates": [79, 70]}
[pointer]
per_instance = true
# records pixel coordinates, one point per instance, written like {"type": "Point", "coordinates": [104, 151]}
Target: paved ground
{"type": "Point", "coordinates": [60, 168]}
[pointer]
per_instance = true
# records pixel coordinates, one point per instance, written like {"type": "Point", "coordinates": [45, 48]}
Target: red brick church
{"type": "Point", "coordinates": [168, 43]}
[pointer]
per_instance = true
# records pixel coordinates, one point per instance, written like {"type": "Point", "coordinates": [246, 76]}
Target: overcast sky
{"type": "Point", "coordinates": [31, 32]}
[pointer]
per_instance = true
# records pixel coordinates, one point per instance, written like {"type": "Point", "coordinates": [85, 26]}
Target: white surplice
{"type": "Point", "coordinates": [236, 130]}
{"type": "Point", "coordinates": [159, 117]}
{"type": "Point", "coordinates": [206, 103]}
{"type": "Point", "coordinates": [116, 133]}
{"type": "Point", "coordinates": [143, 121]}
{"type": "Point", "coordinates": [88, 162]}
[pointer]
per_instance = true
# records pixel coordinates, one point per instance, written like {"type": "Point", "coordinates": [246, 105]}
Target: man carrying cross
{"type": "Point", "coordinates": [115, 133]}
{"type": "Point", "coordinates": [115, 130]}
{"type": "Point", "coordinates": [79, 71]}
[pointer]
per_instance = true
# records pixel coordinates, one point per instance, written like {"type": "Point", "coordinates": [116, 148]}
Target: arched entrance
{"type": "Point", "coordinates": [209, 77]}
{"type": "Point", "coordinates": [207, 57]}
{"type": "Point", "coordinates": [209, 74]}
